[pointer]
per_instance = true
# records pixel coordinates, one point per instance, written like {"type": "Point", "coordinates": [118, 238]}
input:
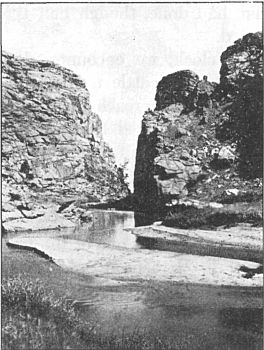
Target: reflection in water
{"type": "Point", "coordinates": [107, 227]}
{"type": "Point", "coordinates": [143, 219]}
{"type": "Point", "coordinates": [194, 316]}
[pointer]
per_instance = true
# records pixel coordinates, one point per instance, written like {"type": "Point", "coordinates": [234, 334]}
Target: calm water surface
{"type": "Point", "coordinates": [192, 316]}
{"type": "Point", "coordinates": [107, 227]}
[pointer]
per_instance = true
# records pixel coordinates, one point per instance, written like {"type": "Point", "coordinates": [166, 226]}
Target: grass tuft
{"type": "Point", "coordinates": [209, 218]}
{"type": "Point", "coordinates": [33, 318]}
{"type": "Point", "coordinates": [243, 196]}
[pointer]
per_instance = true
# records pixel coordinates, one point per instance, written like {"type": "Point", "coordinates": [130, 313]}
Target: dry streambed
{"type": "Point", "coordinates": [240, 242]}
{"type": "Point", "coordinates": [117, 263]}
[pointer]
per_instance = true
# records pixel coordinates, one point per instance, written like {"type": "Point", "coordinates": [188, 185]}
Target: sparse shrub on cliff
{"type": "Point", "coordinates": [221, 130]}
{"type": "Point", "coordinates": [123, 175]}
{"type": "Point", "coordinates": [247, 196]}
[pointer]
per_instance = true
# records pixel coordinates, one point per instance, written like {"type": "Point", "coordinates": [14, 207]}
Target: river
{"type": "Point", "coordinates": [136, 288]}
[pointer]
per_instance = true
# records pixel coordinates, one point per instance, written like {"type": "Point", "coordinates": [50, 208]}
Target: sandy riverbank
{"type": "Point", "coordinates": [118, 263]}
{"type": "Point", "coordinates": [212, 317]}
{"type": "Point", "coordinates": [240, 242]}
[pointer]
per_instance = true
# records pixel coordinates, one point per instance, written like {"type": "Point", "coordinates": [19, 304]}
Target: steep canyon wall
{"type": "Point", "coordinates": [204, 137]}
{"type": "Point", "coordinates": [52, 142]}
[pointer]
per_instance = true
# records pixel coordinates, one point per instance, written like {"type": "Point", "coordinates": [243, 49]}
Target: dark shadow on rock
{"type": "Point", "coordinates": [220, 164]}
{"type": "Point", "coordinates": [243, 124]}
{"type": "Point", "coordinates": [3, 231]}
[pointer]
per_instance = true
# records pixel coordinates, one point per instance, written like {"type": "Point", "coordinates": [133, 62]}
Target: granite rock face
{"type": "Point", "coordinates": [176, 88]}
{"type": "Point", "coordinates": [52, 144]}
{"type": "Point", "coordinates": [240, 61]}
{"type": "Point", "coordinates": [188, 147]}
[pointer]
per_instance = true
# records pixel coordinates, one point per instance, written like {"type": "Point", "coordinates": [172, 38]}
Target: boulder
{"type": "Point", "coordinates": [232, 191]}
{"type": "Point", "coordinates": [11, 215]}
{"type": "Point", "coordinates": [226, 153]}
{"type": "Point", "coordinates": [176, 88]}
{"type": "Point", "coordinates": [50, 221]}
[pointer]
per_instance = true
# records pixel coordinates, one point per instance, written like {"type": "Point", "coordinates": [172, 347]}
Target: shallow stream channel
{"type": "Point", "coordinates": [192, 300]}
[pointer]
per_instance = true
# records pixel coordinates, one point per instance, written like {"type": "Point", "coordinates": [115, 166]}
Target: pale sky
{"type": "Point", "coordinates": [122, 51]}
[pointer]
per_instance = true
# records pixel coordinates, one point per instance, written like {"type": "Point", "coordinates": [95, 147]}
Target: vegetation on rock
{"type": "Point", "coordinates": [246, 118]}
{"type": "Point", "coordinates": [204, 138]}
{"type": "Point", "coordinates": [210, 218]}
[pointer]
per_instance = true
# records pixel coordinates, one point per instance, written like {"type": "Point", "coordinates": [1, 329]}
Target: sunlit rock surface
{"type": "Point", "coordinates": [195, 143]}
{"type": "Point", "coordinates": [52, 142]}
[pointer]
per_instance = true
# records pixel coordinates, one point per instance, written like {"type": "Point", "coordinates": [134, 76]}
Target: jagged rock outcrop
{"type": "Point", "coordinates": [189, 145]}
{"type": "Point", "coordinates": [241, 81]}
{"type": "Point", "coordinates": [176, 88]}
{"type": "Point", "coordinates": [52, 143]}
{"type": "Point", "coordinates": [240, 61]}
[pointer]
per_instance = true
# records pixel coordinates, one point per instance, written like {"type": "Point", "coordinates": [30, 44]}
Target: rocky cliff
{"type": "Point", "coordinates": [204, 138]}
{"type": "Point", "coordinates": [52, 144]}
